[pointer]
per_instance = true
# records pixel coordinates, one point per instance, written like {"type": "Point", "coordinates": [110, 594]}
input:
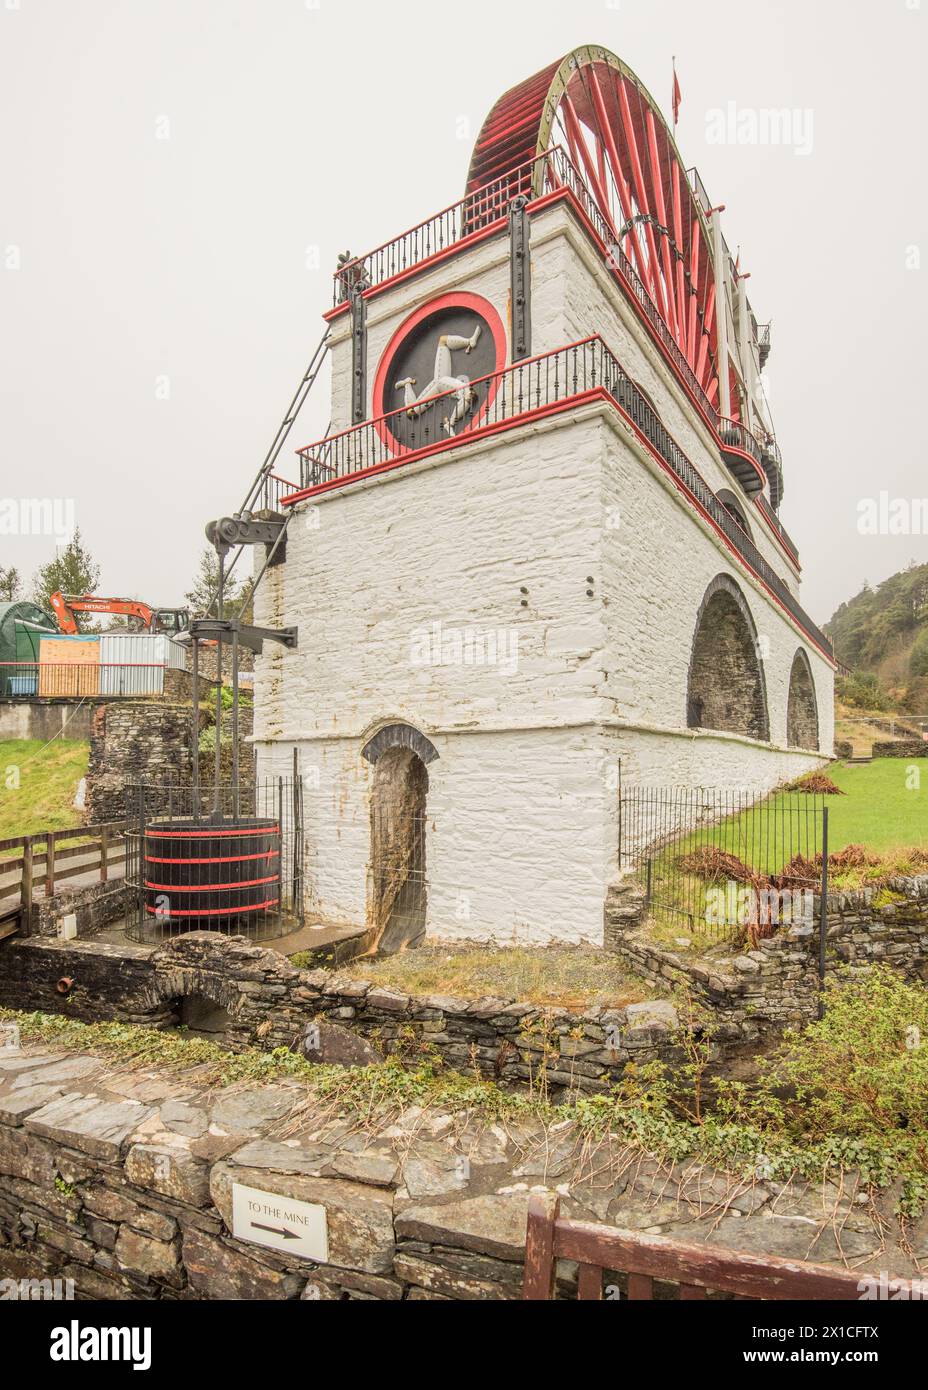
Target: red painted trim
{"type": "Point", "coordinates": [208, 887]}
{"type": "Point", "coordinates": [465, 243]}
{"type": "Point", "coordinates": [748, 458]}
{"type": "Point", "coordinates": [681, 487]}
{"type": "Point", "coordinates": [443, 445]}
{"type": "Point", "coordinates": [214, 859]}
{"type": "Point", "coordinates": [212, 911]}
{"type": "Point", "coordinates": [207, 834]}
{"type": "Point", "coordinates": [557, 408]}
{"type": "Point", "coordinates": [457, 299]}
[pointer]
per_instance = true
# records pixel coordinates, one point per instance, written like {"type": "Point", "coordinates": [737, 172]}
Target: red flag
{"type": "Point", "coordinates": [677, 94]}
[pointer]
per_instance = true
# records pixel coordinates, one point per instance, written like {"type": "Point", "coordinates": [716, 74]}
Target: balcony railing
{"type": "Point", "coordinates": [514, 396]}
{"type": "Point", "coordinates": [489, 205]}
{"type": "Point", "coordinates": [473, 213]}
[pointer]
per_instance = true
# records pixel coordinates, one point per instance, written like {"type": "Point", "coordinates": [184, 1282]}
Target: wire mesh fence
{"type": "Point", "coordinates": [398, 881]}
{"type": "Point", "coordinates": [198, 859]}
{"type": "Point", "coordinates": [732, 865]}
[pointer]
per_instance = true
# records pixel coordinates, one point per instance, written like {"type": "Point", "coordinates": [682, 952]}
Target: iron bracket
{"type": "Point", "coordinates": [520, 278]}
{"type": "Point", "coordinates": [224, 629]}
{"type": "Point", "coordinates": [358, 353]}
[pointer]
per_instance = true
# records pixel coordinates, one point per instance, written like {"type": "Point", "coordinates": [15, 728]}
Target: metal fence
{"type": "Point", "coordinates": [230, 862]}
{"type": "Point", "coordinates": [725, 864]}
{"type": "Point", "coordinates": [31, 680]}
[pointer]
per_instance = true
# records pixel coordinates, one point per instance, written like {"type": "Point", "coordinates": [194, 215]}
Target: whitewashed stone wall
{"type": "Point", "coordinates": [522, 803]}
{"type": "Point", "coordinates": [573, 296]}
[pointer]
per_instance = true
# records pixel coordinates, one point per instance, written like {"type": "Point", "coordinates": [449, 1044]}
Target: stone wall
{"type": "Point", "coordinates": [133, 739]}
{"type": "Point", "coordinates": [901, 748]}
{"type": "Point", "coordinates": [270, 1003]}
{"type": "Point", "coordinates": [778, 983]}
{"type": "Point", "coordinates": [121, 1182]}
{"type": "Point", "coordinates": [94, 906]}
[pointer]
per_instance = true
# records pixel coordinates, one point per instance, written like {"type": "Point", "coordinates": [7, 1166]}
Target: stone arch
{"type": "Point", "coordinates": [399, 736]}
{"type": "Point", "coordinates": [726, 687]}
{"type": "Point", "coordinates": [802, 706]}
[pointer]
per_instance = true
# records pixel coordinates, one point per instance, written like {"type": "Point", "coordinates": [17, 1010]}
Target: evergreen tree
{"type": "Point", "coordinates": [202, 592]}
{"type": "Point", "coordinates": [73, 571]}
{"type": "Point", "coordinates": [10, 584]}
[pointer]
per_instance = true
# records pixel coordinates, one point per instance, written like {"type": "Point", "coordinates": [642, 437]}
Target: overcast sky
{"type": "Point", "coordinates": [178, 177]}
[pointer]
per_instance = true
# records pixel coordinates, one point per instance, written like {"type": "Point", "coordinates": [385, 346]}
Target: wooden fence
{"type": "Point", "coordinates": [646, 1260]}
{"type": "Point", "coordinates": [33, 865]}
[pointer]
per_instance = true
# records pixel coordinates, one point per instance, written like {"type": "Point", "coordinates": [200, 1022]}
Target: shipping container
{"type": "Point", "coordinates": [133, 663]}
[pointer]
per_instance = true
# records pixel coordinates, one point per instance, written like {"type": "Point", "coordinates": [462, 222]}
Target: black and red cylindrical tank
{"type": "Point", "coordinates": [215, 877]}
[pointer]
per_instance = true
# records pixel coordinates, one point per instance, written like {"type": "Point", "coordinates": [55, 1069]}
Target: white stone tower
{"type": "Point", "coordinates": [541, 541]}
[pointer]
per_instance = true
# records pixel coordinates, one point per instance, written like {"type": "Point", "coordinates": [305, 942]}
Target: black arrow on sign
{"type": "Point", "coordinates": [276, 1231]}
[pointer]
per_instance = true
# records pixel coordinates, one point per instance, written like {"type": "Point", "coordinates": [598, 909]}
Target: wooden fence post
{"type": "Point", "coordinates": [540, 1265]}
{"type": "Point", "coordinates": [25, 888]}
{"type": "Point", "coordinates": [50, 864]}
{"type": "Point", "coordinates": [104, 852]}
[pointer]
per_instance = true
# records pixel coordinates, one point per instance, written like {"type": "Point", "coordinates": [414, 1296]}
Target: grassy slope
{"type": "Point", "coordinates": [48, 778]}
{"type": "Point", "coordinates": [880, 810]}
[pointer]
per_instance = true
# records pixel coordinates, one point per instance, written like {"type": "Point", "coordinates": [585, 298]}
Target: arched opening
{"type": "Point", "coordinates": [398, 893]}
{"type": "Point", "coordinates": [735, 510]}
{"type": "Point", "coordinates": [201, 1015]}
{"type": "Point", "coordinates": [802, 706]}
{"type": "Point", "coordinates": [726, 690]}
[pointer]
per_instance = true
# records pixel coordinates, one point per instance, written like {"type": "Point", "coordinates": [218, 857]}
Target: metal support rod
{"type": "Point", "coordinates": [235, 790]}
{"type": "Point", "coordinates": [271, 552]}
{"type": "Point", "coordinates": [217, 773]}
{"type": "Point", "coordinates": [823, 916]}
{"type": "Point", "coordinates": [195, 726]}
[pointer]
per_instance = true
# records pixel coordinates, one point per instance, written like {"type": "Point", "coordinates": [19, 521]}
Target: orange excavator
{"type": "Point", "coordinates": [142, 617]}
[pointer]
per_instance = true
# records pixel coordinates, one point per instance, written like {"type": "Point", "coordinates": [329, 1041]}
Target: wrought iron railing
{"type": "Point", "coordinates": [737, 435]}
{"type": "Point", "coordinates": [725, 863]}
{"type": "Point", "coordinates": [774, 522]}
{"type": "Point", "coordinates": [507, 398]}
{"type": "Point", "coordinates": [489, 205]}
{"type": "Point", "coordinates": [473, 213]}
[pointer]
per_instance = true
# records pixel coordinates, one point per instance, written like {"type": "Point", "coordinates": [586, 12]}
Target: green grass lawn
{"type": "Point", "coordinates": [47, 775]}
{"type": "Point", "coordinates": [880, 809]}
{"type": "Point", "coordinates": [884, 809]}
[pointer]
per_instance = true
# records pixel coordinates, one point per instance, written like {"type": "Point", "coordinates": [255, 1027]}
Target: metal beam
{"type": "Point", "coordinates": [520, 277]}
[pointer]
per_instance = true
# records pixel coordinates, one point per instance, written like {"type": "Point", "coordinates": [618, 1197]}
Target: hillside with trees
{"type": "Point", "coordinates": [882, 636]}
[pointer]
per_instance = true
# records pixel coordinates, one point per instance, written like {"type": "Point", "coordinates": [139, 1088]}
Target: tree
{"type": "Point", "coordinates": [73, 571]}
{"type": "Point", "coordinates": [205, 583]}
{"type": "Point", "coordinates": [918, 662]}
{"type": "Point", "coordinates": [10, 584]}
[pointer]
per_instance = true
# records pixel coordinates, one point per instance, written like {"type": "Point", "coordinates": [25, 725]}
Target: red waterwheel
{"type": "Point", "coordinates": [594, 108]}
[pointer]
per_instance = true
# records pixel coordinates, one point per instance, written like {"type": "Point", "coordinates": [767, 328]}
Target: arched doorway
{"type": "Point", "coordinates": [397, 889]}
{"type": "Point", "coordinates": [802, 706]}
{"type": "Point", "coordinates": [726, 690]}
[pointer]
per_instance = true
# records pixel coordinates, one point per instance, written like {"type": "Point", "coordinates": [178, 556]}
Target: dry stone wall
{"type": "Point", "coordinates": [778, 982]}
{"type": "Point", "coordinates": [133, 739]}
{"type": "Point", "coordinates": [270, 1003]}
{"type": "Point", "coordinates": [119, 1183]}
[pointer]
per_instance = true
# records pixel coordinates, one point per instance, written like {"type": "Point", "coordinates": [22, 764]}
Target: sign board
{"type": "Point", "coordinates": [9, 1037]}
{"type": "Point", "coordinates": [281, 1223]}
